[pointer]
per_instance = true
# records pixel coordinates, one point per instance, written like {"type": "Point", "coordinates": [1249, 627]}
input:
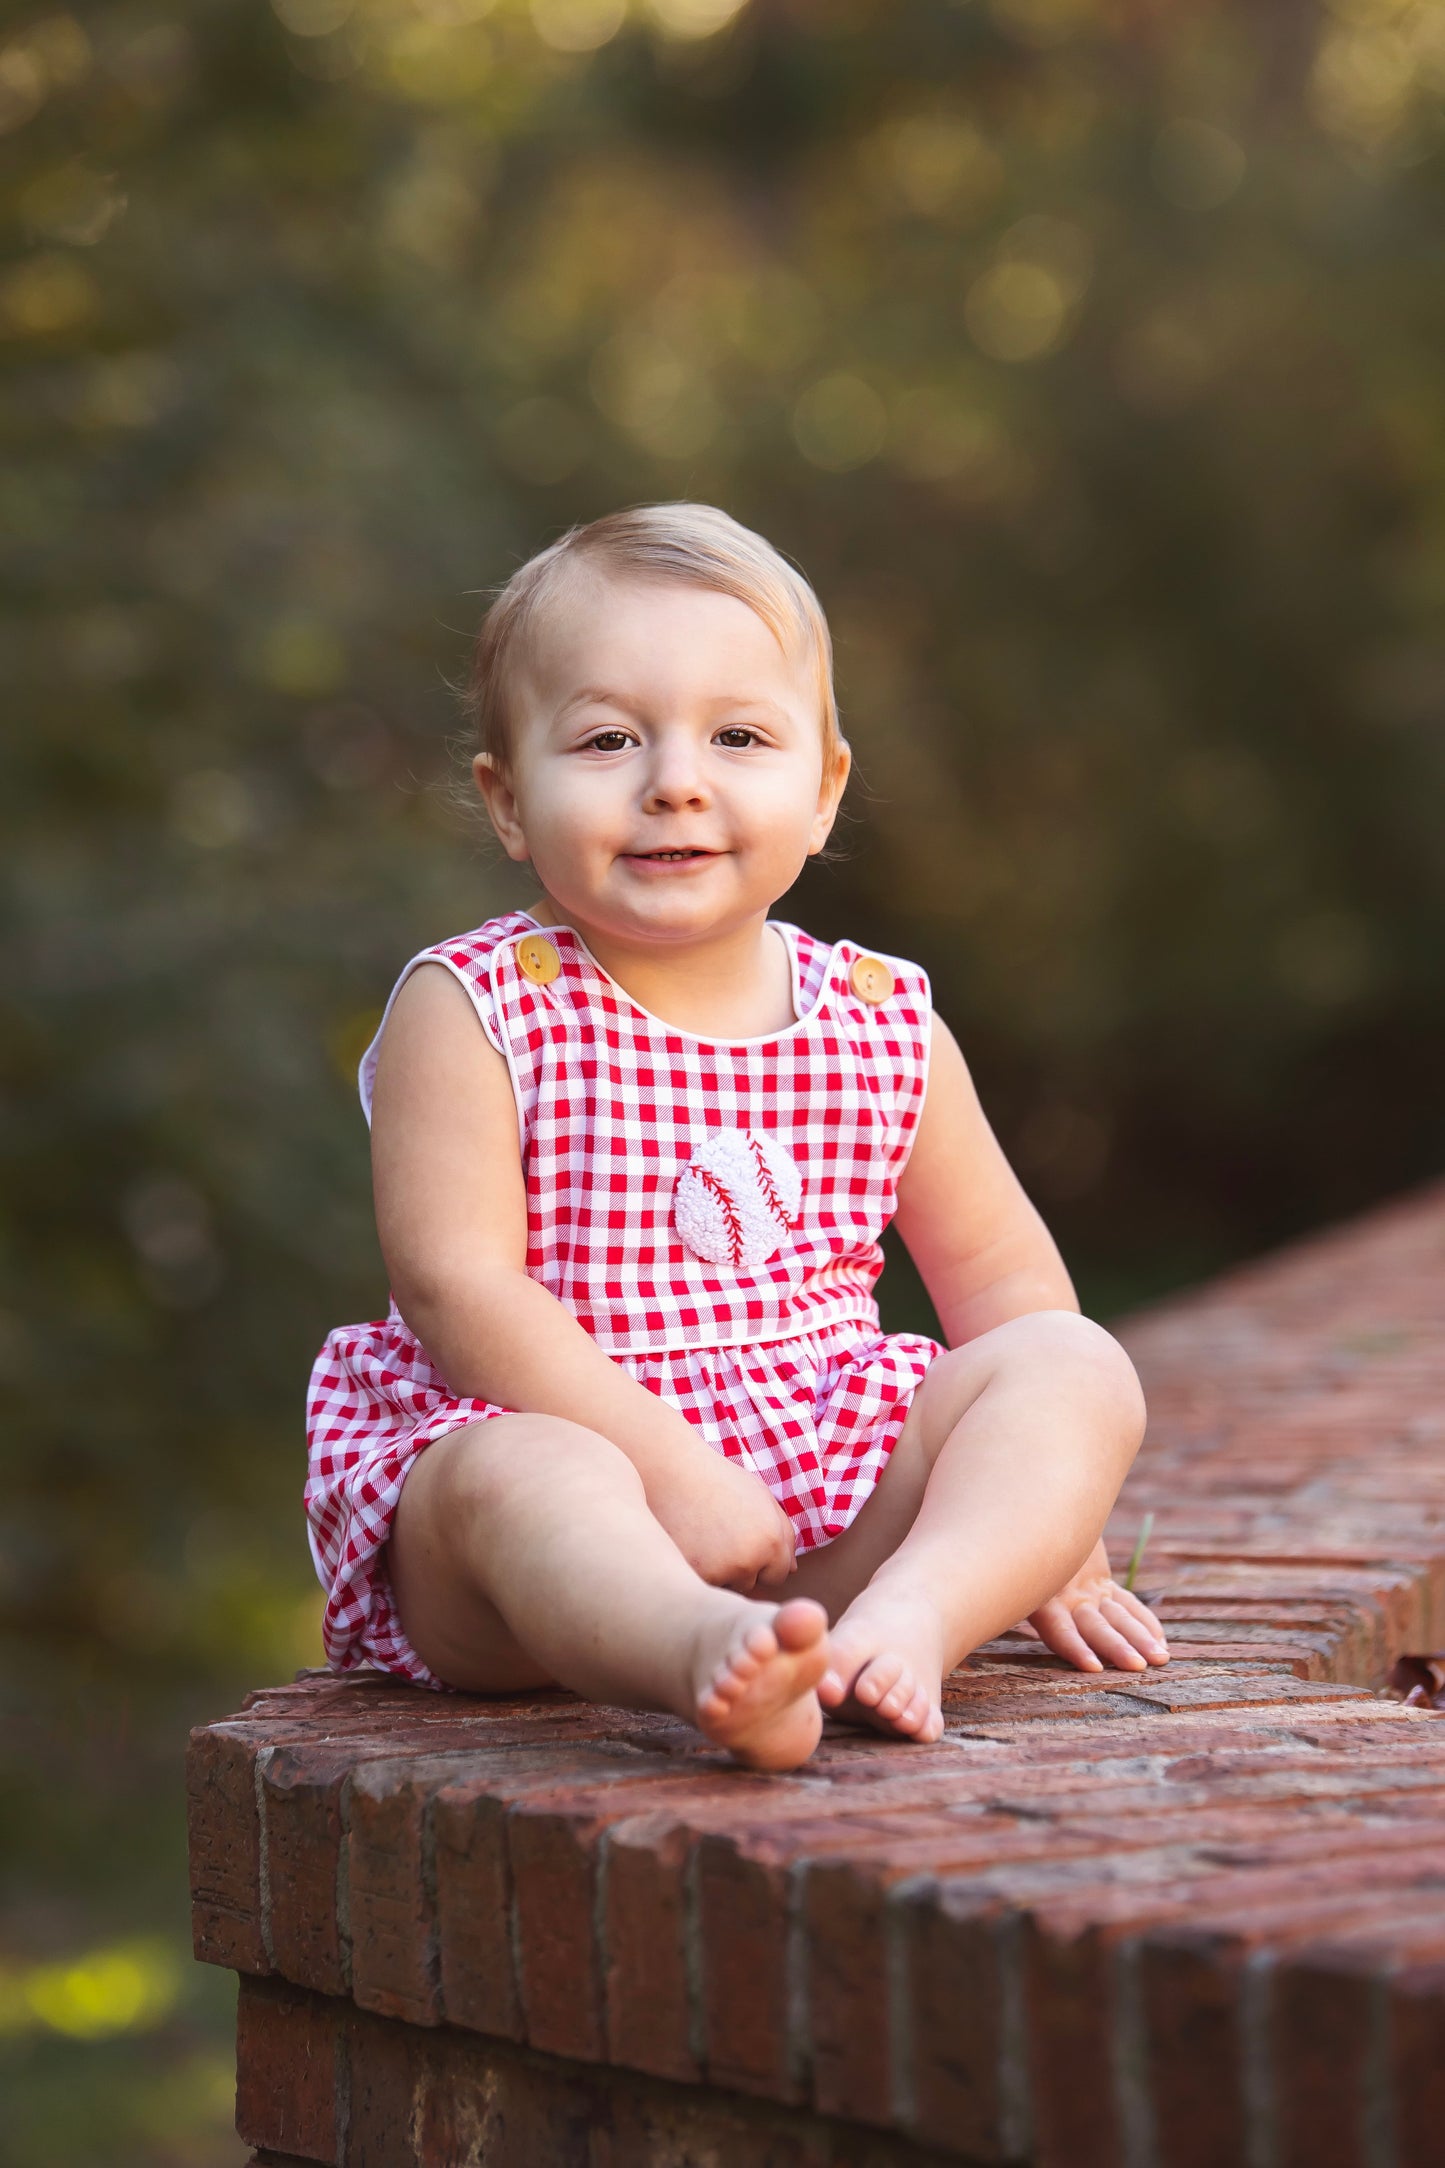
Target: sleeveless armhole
{"type": "Point", "coordinates": [808, 965]}
{"type": "Point", "coordinates": [481, 1001]}
{"type": "Point", "coordinates": [926, 996]}
{"type": "Point", "coordinates": [911, 979]}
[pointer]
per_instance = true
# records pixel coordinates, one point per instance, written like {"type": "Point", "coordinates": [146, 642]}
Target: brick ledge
{"type": "Point", "coordinates": [1188, 1920]}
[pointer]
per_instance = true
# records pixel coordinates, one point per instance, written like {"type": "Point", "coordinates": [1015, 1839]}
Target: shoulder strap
{"type": "Point", "coordinates": [468, 957]}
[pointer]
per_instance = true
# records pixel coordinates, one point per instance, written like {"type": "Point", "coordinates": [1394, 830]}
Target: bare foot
{"type": "Point", "coordinates": [756, 1681]}
{"type": "Point", "coordinates": [885, 1667]}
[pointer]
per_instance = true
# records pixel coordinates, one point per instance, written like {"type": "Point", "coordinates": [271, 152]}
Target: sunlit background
{"type": "Point", "coordinates": [1088, 356]}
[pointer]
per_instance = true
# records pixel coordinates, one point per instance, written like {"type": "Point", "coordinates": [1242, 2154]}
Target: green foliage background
{"type": "Point", "coordinates": [1086, 354]}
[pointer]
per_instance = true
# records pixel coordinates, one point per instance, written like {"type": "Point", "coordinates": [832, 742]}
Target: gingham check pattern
{"type": "Point", "coordinates": [781, 1366]}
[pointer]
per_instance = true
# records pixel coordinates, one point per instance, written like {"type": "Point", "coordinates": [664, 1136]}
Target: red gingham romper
{"type": "Point", "coordinates": [779, 1363]}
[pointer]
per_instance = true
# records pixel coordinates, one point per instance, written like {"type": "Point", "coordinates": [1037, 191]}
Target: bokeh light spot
{"type": "Point", "coordinates": [840, 423]}
{"type": "Point", "coordinates": [936, 438]}
{"type": "Point", "coordinates": [22, 87]}
{"type": "Point", "coordinates": [578, 26]}
{"type": "Point", "coordinates": [1326, 959]}
{"type": "Point", "coordinates": [212, 808]}
{"type": "Point", "coordinates": [169, 1224]}
{"type": "Point", "coordinates": [72, 203]}
{"type": "Point", "coordinates": [1196, 166]}
{"type": "Point", "coordinates": [694, 18]}
{"type": "Point", "coordinates": [1043, 22]}
{"type": "Point", "coordinates": [1361, 84]}
{"type": "Point", "coordinates": [300, 654]}
{"type": "Point", "coordinates": [49, 55]}
{"type": "Point", "coordinates": [655, 394]}
{"type": "Point", "coordinates": [313, 18]}
{"type": "Point", "coordinates": [938, 163]}
{"type": "Point", "coordinates": [46, 296]}
{"type": "Point", "coordinates": [452, 14]}
{"type": "Point", "coordinates": [1016, 312]}
{"type": "Point", "coordinates": [131, 1987]}
{"type": "Point", "coordinates": [541, 440]}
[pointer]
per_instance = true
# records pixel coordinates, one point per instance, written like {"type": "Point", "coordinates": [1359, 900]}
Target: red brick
{"type": "Point", "coordinates": [1416, 2063]}
{"type": "Point", "coordinates": [555, 1845]}
{"type": "Point", "coordinates": [845, 1914]}
{"type": "Point", "coordinates": [649, 1993]}
{"type": "Point", "coordinates": [301, 1803]}
{"type": "Point", "coordinates": [553, 1857]}
{"type": "Point", "coordinates": [437, 2099]}
{"type": "Point", "coordinates": [749, 1964]}
{"type": "Point", "coordinates": [227, 1926]}
{"type": "Point", "coordinates": [1194, 2037]}
{"type": "Point", "coordinates": [959, 1974]}
{"type": "Point", "coordinates": [287, 2047]}
{"type": "Point", "coordinates": [474, 1885]}
{"type": "Point", "coordinates": [1072, 2019]}
{"type": "Point", "coordinates": [1322, 2037]}
{"type": "Point", "coordinates": [390, 1887]}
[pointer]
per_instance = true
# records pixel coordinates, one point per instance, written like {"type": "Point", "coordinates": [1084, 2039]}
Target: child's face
{"type": "Point", "coordinates": [654, 717]}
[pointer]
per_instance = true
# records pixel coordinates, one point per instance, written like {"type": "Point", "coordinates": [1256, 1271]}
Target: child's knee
{"type": "Point", "coordinates": [1097, 1369]}
{"type": "Point", "coordinates": [507, 1466]}
{"type": "Point", "coordinates": [1046, 1351]}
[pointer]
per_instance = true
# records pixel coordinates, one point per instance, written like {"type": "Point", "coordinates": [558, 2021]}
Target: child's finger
{"type": "Point", "coordinates": [1106, 1640]}
{"type": "Point", "coordinates": [1143, 1618]}
{"type": "Point", "coordinates": [1146, 1639]}
{"type": "Point", "coordinates": [1131, 1602]}
{"type": "Point", "coordinates": [1056, 1629]}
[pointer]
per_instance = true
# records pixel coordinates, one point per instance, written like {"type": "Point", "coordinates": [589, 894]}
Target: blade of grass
{"type": "Point", "coordinates": [1134, 1563]}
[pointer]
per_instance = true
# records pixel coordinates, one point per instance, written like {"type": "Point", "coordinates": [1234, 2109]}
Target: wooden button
{"type": "Point", "coordinates": [538, 959]}
{"type": "Point", "coordinates": [871, 979]}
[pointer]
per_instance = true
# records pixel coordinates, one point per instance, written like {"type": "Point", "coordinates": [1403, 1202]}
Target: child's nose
{"type": "Point", "coordinates": [675, 773]}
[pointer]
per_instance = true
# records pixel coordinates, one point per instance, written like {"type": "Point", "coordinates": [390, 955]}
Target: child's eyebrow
{"type": "Point", "coordinates": [592, 696]}
{"type": "Point", "coordinates": [602, 696]}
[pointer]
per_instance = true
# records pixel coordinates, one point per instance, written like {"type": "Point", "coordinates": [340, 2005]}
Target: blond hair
{"type": "Point", "coordinates": [693, 544]}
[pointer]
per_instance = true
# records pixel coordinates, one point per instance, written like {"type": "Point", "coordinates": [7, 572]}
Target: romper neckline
{"type": "Point", "coordinates": [698, 1038]}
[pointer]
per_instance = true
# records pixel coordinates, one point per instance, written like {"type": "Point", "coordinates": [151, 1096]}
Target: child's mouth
{"type": "Point", "coordinates": [667, 858]}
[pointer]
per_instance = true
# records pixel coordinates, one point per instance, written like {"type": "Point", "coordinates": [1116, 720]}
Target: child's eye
{"type": "Point", "coordinates": [735, 731]}
{"type": "Point", "coordinates": [608, 741]}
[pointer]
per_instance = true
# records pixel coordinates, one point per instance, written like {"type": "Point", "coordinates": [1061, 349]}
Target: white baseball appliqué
{"type": "Point", "coordinates": [736, 1198]}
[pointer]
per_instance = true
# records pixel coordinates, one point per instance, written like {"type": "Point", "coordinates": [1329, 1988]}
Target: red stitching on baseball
{"type": "Point", "coordinates": [770, 1187]}
{"type": "Point", "coordinates": [735, 1230]}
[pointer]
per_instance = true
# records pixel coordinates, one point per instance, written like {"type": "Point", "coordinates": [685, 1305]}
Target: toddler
{"type": "Point", "coordinates": [631, 1424]}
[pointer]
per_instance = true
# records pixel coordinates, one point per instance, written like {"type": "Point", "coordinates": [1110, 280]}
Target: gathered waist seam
{"type": "Point", "coordinates": [674, 1348]}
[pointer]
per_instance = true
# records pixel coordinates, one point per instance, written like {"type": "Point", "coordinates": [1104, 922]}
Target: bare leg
{"type": "Point", "coordinates": [523, 1550]}
{"type": "Point", "coordinates": [1018, 1442]}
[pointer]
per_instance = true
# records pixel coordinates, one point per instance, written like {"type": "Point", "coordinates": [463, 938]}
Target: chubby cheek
{"type": "Point", "coordinates": [569, 824]}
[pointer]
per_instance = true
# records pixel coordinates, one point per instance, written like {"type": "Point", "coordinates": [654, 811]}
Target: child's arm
{"type": "Point", "coordinates": [985, 1256]}
{"type": "Point", "coordinates": [451, 1211]}
{"type": "Point", "coordinates": [982, 1250]}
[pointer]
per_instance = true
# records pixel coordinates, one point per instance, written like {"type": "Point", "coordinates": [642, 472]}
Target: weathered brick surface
{"type": "Point", "coordinates": [406, 2096]}
{"type": "Point", "coordinates": [290, 2076]}
{"type": "Point", "coordinates": [1186, 1920]}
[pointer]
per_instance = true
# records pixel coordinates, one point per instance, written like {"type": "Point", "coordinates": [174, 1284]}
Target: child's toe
{"type": "Point", "coordinates": [878, 1680]}
{"type": "Point", "coordinates": [799, 1623]}
{"type": "Point", "coordinates": [897, 1698]}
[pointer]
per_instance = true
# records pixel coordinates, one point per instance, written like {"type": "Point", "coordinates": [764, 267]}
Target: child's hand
{"type": "Point", "coordinates": [724, 1520]}
{"type": "Point", "coordinates": [1093, 1621]}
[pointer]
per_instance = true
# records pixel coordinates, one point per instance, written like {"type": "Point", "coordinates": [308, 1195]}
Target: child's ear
{"type": "Point", "coordinates": [500, 800]}
{"type": "Point", "coordinates": [830, 797]}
